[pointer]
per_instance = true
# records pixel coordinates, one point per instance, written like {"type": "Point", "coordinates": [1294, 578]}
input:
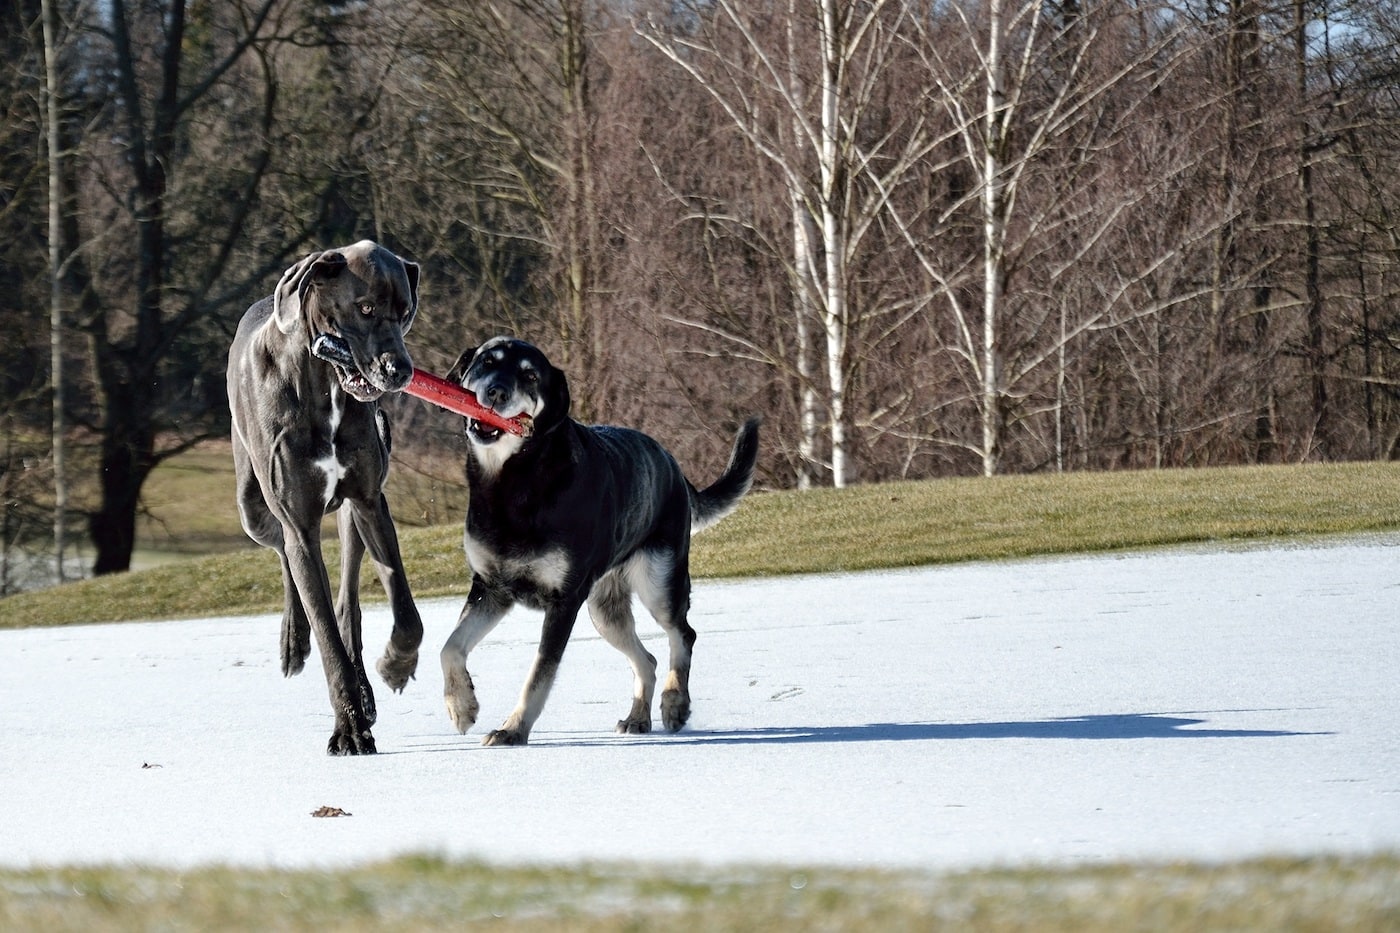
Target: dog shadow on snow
{"type": "Point", "coordinates": [1108, 726]}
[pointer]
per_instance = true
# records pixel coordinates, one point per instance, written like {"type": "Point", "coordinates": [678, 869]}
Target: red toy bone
{"type": "Point", "coordinates": [429, 388]}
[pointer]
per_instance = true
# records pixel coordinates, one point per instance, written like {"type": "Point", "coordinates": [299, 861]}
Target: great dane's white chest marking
{"type": "Point", "coordinates": [330, 464]}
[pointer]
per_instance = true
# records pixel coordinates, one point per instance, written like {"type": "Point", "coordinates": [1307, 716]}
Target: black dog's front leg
{"type": "Point", "coordinates": [558, 625]}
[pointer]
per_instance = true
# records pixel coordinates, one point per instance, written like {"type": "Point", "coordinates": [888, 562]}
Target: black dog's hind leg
{"type": "Point", "coordinates": [669, 604]}
{"type": "Point", "coordinates": [610, 607]}
{"type": "Point", "coordinates": [558, 624]}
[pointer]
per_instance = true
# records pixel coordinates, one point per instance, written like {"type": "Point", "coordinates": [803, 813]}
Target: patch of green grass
{"type": "Point", "coordinates": [189, 500]}
{"type": "Point", "coordinates": [918, 523]}
{"type": "Point", "coordinates": [430, 894]}
{"type": "Point", "coordinates": [890, 525]}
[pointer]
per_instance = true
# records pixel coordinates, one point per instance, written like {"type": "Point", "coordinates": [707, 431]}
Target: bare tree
{"type": "Point", "coordinates": [801, 85]}
{"type": "Point", "coordinates": [1042, 108]}
{"type": "Point", "coordinates": [53, 146]}
{"type": "Point", "coordinates": [507, 89]}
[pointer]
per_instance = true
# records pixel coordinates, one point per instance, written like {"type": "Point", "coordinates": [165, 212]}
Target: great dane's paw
{"type": "Point", "coordinates": [460, 697]}
{"type": "Point", "coordinates": [675, 709]}
{"type": "Point", "coordinates": [296, 646]}
{"type": "Point", "coordinates": [397, 669]}
{"type": "Point", "coordinates": [351, 742]}
{"type": "Point", "coordinates": [367, 702]}
{"type": "Point", "coordinates": [506, 737]}
{"type": "Point", "coordinates": [632, 726]}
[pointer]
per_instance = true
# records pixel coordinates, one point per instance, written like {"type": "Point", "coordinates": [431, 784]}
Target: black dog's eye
{"type": "Point", "coordinates": [530, 376]}
{"type": "Point", "coordinates": [366, 308]}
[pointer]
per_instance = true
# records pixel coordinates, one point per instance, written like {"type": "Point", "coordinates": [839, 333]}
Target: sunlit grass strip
{"type": "Point", "coordinates": [912, 524]}
{"type": "Point", "coordinates": [432, 894]}
{"type": "Point", "coordinates": [888, 525]}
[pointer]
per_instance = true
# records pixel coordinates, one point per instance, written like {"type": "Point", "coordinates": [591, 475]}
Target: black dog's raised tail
{"type": "Point", "coordinates": [721, 497]}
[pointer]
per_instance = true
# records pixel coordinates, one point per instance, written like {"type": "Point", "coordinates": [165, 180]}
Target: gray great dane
{"type": "Point", "coordinates": [309, 439]}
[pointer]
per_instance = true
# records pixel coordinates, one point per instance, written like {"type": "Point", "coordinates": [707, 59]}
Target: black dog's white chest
{"type": "Point", "coordinates": [529, 577]}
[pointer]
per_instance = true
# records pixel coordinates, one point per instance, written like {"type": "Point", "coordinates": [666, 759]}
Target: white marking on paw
{"type": "Point", "coordinates": [460, 697]}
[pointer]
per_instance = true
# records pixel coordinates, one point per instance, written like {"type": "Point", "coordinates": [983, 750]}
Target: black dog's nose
{"type": "Point", "coordinates": [496, 393]}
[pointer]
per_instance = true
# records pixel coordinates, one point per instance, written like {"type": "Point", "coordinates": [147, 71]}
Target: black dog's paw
{"type": "Point", "coordinates": [675, 709]}
{"type": "Point", "coordinates": [633, 726]}
{"type": "Point", "coordinates": [397, 669]}
{"type": "Point", "coordinates": [505, 737]}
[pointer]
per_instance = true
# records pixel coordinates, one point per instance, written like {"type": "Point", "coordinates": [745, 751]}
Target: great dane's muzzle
{"type": "Point", "coordinates": [367, 380]}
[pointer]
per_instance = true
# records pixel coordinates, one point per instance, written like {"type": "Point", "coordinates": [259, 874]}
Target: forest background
{"type": "Point", "coordinates": [965, 237]}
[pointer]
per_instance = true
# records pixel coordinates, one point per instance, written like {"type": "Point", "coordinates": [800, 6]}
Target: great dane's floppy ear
{"type": "Point", "coordinates": [291, 290]}
{"type": "Point", "coordinates": [458, 372]}
{"type": "Point", "coordinates": [411, 270]}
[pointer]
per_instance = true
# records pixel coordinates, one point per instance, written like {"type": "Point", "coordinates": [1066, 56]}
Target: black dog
{"type": "Point", "coordinates": [308, 439]}
{"type": "Point", "coordinates": [573, 514]}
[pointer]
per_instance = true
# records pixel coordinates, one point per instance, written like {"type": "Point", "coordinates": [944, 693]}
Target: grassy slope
{"type": "Point", "coordinates": [891, 525]}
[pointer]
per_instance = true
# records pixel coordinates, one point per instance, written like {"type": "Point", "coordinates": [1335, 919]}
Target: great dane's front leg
{"type": "Point", "coordinates": [558, 623]}
{"type": "Point", "coordinates": [484, 608]}
{"type": "Point", "coordinates": [352, 726]}
{"type": "Point", "coordinates": [376, 528]}
{"type": "Point", "coordinates": [266, 529]}
{"type": "Point", "coordinates": [347, 607]}
{"type": "Point", "coordinates": [296, 631]}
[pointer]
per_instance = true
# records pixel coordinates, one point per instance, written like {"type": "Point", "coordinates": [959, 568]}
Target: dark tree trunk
{"type": "Point", "coordinates": [127, 459]}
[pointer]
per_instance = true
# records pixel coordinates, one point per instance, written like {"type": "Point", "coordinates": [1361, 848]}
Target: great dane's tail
{"type": "Point", "coordinates": [714, 502]}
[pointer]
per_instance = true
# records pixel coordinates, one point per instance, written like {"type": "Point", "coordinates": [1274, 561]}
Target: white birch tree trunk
{"type": "Point", "coordinates": [837, 192]}
{"type": "Point", "coordinates": [993, 247]}
{"type": "Point", "coordinates": [54, 139]}
{"type": "Point", "coordinates": [803, 259]}
{"type": "Point", "coordinates": [803, 315]}
{"type": "Point", "coordinates": [833, 239]}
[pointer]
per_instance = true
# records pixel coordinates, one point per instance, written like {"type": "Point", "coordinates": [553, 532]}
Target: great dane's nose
{"type": "Point", "coordinates": [396, 371]}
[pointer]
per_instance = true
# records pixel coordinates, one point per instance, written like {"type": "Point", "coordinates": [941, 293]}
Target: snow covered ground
{"type": "Point", "coordinates": [1184, 704]}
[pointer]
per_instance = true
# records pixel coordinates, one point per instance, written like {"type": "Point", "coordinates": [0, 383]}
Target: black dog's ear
{"type": "Point", "coordinates": [458, 372]}
{"type": "Point", "coordinates": [290, 295]}
{"type": "Point", "coordinates": [557, 400]}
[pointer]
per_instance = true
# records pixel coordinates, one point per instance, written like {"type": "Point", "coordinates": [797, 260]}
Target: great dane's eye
{"type": "Point", "coordinates": [366, 308]}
